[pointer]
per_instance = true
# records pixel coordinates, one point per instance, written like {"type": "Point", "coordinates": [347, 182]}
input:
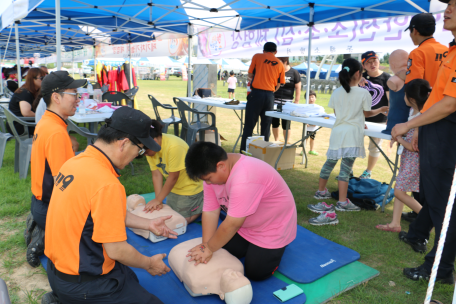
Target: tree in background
{"type": "Point", "coordinates": [385, 58]}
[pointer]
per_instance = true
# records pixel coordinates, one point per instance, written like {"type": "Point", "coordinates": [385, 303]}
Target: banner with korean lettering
{"type": "Point", "coordinates": [155, 48]}
{"type": "Point", "coordinates": [358, 36]}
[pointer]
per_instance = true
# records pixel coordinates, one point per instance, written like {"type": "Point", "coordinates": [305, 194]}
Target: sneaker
{"type": "Point", "coordinates": [326, 218]}
{"type": "Point", "coordinates": [365, 175]}
{"type": "Point", "coordinates": [409, 216]}
{"type": "Point", "coordinates": [418, 246]}
{"type": "Point", "coordinates": [36, 247]}
{"type": "Point", "coordinates": [50, 298]}
{"type": "Point", "coordinates": [420, 273]}
{"type": "Point", "coordinates": [324, 195]}
{"type": "Point", "coordinates": [313, 153]}
{"type": "Point", "coordinates": [29, 226]}
{"type": "Point", "coordinates": [321, 207]}
{"type": "Point", "coordinates": [348, 206]}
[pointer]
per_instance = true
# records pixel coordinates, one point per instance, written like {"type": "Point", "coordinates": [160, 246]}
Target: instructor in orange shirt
{"type": "Point", "coordinates": [266, 73]}
{"type": "Point", "coordinates": [437, 147]}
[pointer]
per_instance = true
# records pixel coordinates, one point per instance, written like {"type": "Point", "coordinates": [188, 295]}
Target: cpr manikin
{"type": "Point", "coordinates": [222, 275]}
{"type": "Point", "coordinates": [136, 203]}
{"type": "Point", "coordinates": [398, 62]}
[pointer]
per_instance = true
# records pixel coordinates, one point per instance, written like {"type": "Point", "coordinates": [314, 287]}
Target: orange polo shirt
{"type": "Point", "coordinates": [50, 150]}
{"type": "Point", "coordinates": [267, 70]}
{"type": "Point", "coordinates": [425, 60]}
{"type": "Point", "coordinates": [87, 209]}
{"type": "Point", "coordinates": [445, 84]}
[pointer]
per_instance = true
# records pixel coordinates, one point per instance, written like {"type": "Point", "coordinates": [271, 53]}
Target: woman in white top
{"type": "Point", "coordinates": [351, 105]}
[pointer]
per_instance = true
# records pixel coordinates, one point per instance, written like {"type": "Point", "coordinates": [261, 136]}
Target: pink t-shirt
{"type": "Point", "coordinates": [255, 190]}
{"type": "Point", "coordinates": [231, 82]}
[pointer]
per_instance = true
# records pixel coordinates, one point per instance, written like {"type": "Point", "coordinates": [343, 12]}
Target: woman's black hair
{"type": "Point", "coordinates": [202, 158]}
{"type": "Point", "coordinates": [156, 129]}
{"type": "Point", "coordinates": [419, 90]}
{"type": "Point", "coordinates": [349, 67]}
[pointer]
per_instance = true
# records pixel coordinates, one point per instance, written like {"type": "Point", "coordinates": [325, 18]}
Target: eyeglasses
{"type": "Point", "coordinates": [41, 78]}
{"type": "Point", "coordinates": [141, 150]}
{"type": "Point", "coordinates": [78, 95]}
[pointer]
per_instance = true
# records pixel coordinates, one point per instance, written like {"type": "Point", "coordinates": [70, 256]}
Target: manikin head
{"type": "Point", "coordinates": [235, 288]}
{"type": "Point", "coordinates": [398, 62]}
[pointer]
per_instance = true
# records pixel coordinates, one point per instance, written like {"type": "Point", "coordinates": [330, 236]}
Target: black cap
{"type": "Point", "coordinates": [59, 80]}
{"type": "Point", "coordinates": [421, 21]}
{"type": "Point", "coordinates": [368, 55]}
{"type": "Point", "coordinates": [135, 123]}
{"type": "Point", "coordinates": [270, 47]}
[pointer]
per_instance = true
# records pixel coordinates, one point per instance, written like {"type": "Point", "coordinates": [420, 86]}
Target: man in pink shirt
{"type": "Point", "coordinates": [261, 212]}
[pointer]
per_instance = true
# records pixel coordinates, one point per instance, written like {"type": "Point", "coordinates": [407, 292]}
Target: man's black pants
{"type": "Point", "coordinates": [437, 166]}
{"type": "Point", "coordinates": [119, 286]}
{"type": "Point", "coordinates": [260, 263]}
{"type": "Point", "coordinates": [39, 211]}
{"type": "Point", "coordinates": [258, 102]}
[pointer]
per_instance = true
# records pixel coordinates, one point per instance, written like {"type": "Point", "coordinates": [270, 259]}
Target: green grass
{"type": "Point", "coordinates": [380, 250]}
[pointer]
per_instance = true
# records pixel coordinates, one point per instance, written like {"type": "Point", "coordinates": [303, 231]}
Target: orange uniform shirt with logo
{"type": "Point", "coordinates": [267, 70]}
{"type": "Point", "coordinates": [50, 150]}
{"type": "Point", "coordinates": [425, 60]}
{"type": "Point", "coordinates": [87, 209]}
{"type": "Point", "coordinates": [445, 83]}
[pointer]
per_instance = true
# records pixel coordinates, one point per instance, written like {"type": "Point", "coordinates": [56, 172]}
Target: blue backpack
{"type": "Point", "coordinates": [367, 193]}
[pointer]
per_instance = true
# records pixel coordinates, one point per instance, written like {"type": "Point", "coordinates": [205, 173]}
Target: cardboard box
{"type": "Point", "coordinates": [252, 139]}
{"type": "Point", "coordinates": [209, 136]}
{"type": "Point", "coordinates": [269, 151]}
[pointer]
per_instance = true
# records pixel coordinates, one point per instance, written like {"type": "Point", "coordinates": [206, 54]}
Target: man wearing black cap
{"type": "Point", "coordinates": [86, 240]}
{"type": "Point", "coordinates": [51, 148]}
{"type": "Point", "coordinates": [266, 73]}
{"type": "Point", "coordinates": [437, 148]}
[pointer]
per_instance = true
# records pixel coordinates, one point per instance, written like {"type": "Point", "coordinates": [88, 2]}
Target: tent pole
{"type": "Point", "coordinates": [311, 18]}
{"type": "Point", "coordinates": [328, 75]}
{"type": "Point", "coordinates": [18, 56]}
{"type": "Point", "coordinates": [189, 68]}
{"type": "Point", "coordinates": [72, 61]}
{"type": "Point", "coordinates": [94, 65]}
{"type": "Point", "coordinates": [58, 35]}
{"type": "Point", "coordinates": [131, 74]}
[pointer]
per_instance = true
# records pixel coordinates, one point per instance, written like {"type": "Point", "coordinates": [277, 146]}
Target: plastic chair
{"type": "Point", "coordinates": [116, 98]}
{"type": "Point", "coordinates": [173, 120]}
{"type": "Point", "coordinates": [23, 149]}
{"type": "Point", "coordinates": [81, 131]}
{"type": "Point", "coordinates": [132, 92]}
{"type": "Point", "coordinates": [189, 130]}
{"type": "Point", "coordinates": [4, 296]}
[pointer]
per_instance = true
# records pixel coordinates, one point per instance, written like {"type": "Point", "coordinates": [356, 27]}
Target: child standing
{"type": "Point", "coordinates": [231, 84]}
{"type": "Point", "coordinates": [408, 179]}
{"type": "Point", "coordinates": [312, 129]}
{"type": "Point", "coordinates": [351, 105]}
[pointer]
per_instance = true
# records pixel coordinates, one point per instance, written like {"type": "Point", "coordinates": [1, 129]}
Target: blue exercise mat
{"type": "Point", "coordinates": [170, 290]}
{"type": "Point", "coordinates": [310, 257]}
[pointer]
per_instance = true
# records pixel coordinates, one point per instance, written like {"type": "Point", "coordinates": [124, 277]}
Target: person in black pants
{"type": "Point", "coordinates": [266, 73]}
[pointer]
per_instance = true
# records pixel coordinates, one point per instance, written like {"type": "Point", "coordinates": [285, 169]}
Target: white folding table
{"type": "Point", "coordinates": [374, 130]}
{"type": "Point", "coordinates": [220, 103]}
{"type": "Point", "coordinates": [92, 119]}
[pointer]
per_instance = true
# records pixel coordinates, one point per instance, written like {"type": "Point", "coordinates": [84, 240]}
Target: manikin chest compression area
{"type": "Point", "coordinates": [222, 275]}
{"type": "Point", "coordinates": [136, 204]}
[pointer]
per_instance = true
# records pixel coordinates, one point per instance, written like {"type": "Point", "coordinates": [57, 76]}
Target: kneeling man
{"type": "Point", "coordinates": [261, 212]}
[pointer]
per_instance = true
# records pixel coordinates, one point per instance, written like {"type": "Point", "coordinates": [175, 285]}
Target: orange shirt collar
{"type": "Point", "coordinates": [55, 117]}
{"type": "Point", "coordinates": [96, 153]}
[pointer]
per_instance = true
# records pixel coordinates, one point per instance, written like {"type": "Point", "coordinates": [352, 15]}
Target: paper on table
{"type": "Point", "coordinates": [105, 109]}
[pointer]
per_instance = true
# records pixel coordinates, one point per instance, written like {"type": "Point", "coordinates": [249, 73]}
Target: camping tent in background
{"type": "Point", "coordinates": [155, 61]}
{"type": "Point", "coordinates": [195, 60]}
{"type": "Point", "coordinates": [302, 69]}
{"type": "Point", "coordinates": [107, 61]}
{"type": "Point", "coordinates": [232, 64]}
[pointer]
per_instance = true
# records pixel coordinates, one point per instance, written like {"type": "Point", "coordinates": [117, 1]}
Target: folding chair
{"type": "Point", "coordinates": [173, 120]}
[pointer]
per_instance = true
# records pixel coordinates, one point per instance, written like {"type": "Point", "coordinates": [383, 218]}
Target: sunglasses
{"type": "Point", "coordinates": [41, 78]}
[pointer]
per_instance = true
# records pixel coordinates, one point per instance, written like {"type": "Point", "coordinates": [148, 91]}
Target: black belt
{"type": "Point", "coordinates": [82, 278]}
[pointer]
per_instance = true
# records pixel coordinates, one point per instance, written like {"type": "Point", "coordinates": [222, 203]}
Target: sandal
{"type": "Point", "coordinates": [388, 228]}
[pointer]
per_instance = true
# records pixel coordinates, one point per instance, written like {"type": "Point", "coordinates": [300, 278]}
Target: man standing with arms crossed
{"type": "Point", "coordinates": [266, 73]}
{"type": "Point", "coordinates": [437, 161]}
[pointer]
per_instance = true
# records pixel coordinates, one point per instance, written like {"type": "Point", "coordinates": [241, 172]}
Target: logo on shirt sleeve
{"type": "Point", "coordinates": [64, 180]}
{"type": "Point", "coordinates": [409, 63]}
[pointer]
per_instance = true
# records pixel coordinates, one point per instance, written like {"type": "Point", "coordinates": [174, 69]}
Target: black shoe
{"type": "Point", "coordinates": [418, 246]}
{"type": "Point", "coordinates": [29, 226]}
{"type": "Point", "coordinates": [36, 247]}
{"type": "Point", "coordinates": [409, 216]}
{"type": "Point", "coordinates": [50, 298]}
{"type": "Point", "coordinates": [420, 273]}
